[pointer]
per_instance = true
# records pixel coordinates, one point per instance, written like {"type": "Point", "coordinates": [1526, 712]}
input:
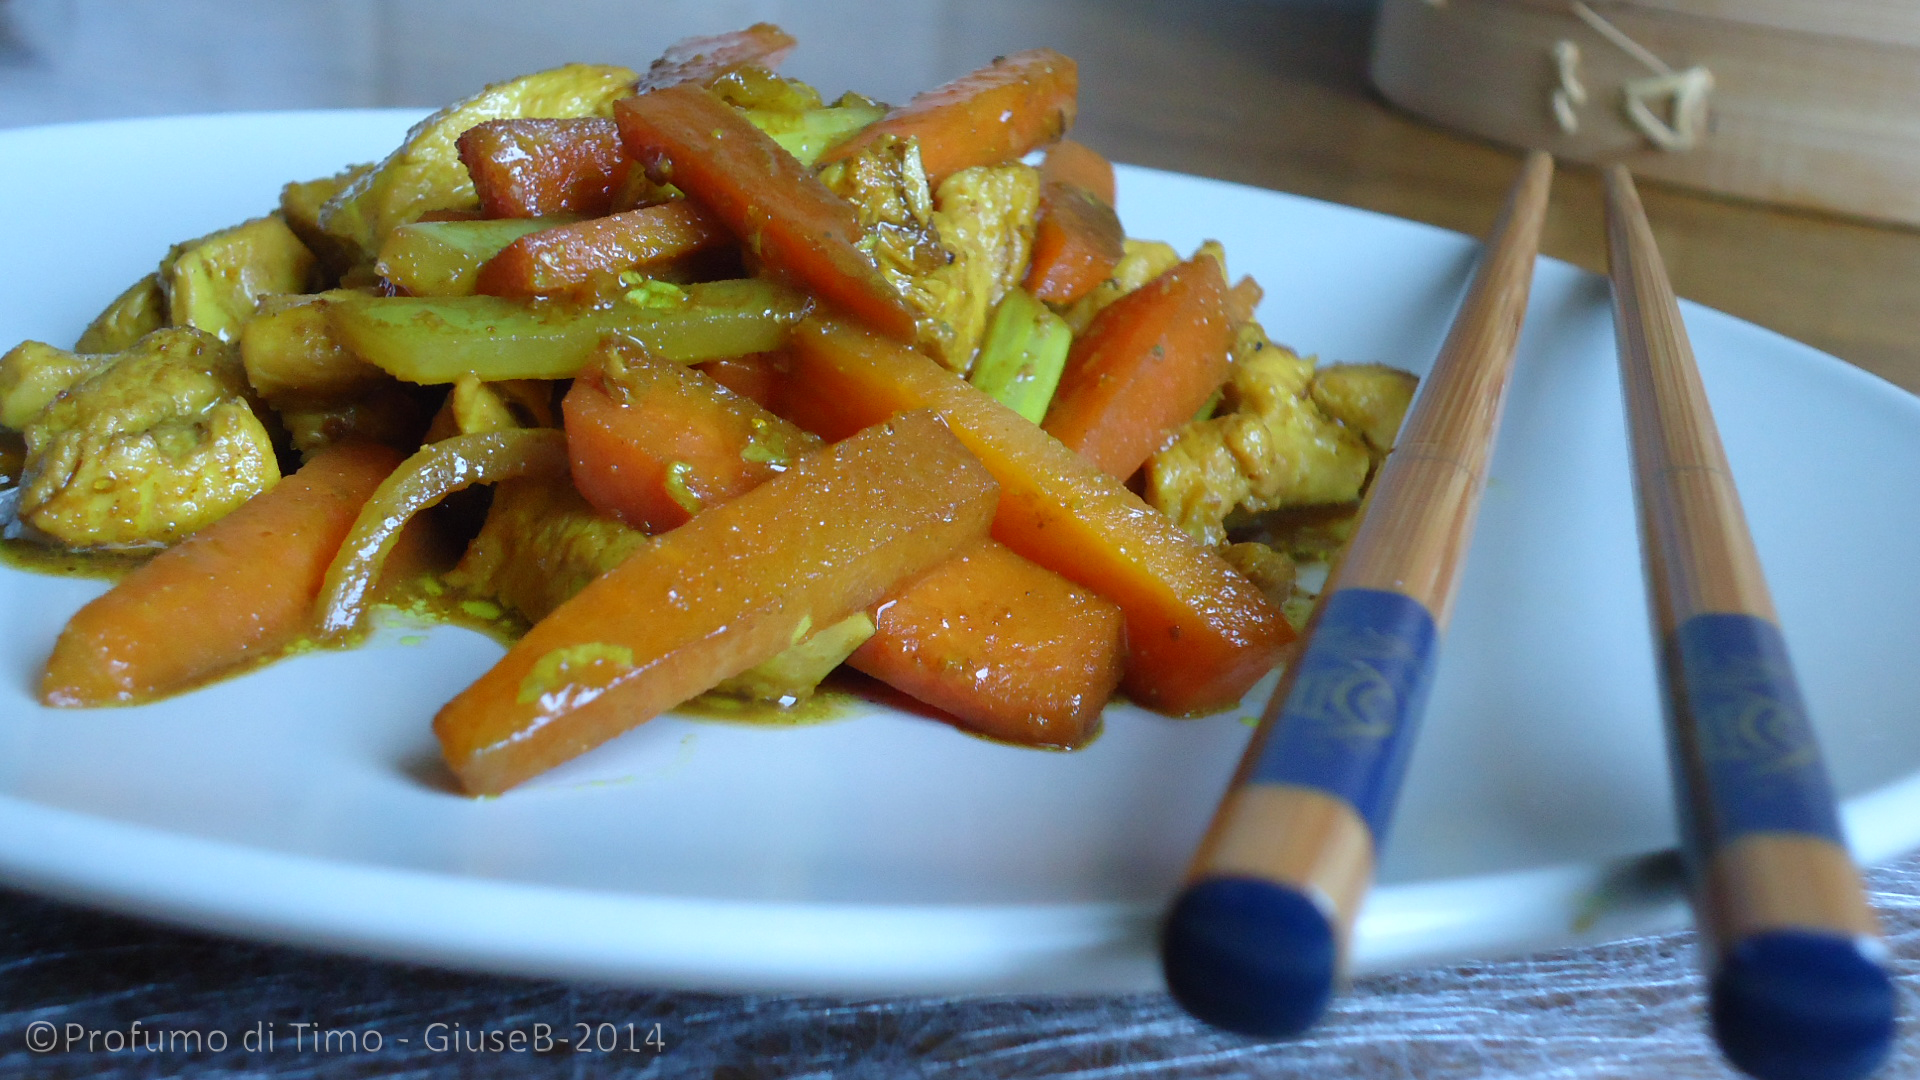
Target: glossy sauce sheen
{"type": "Point", "coordinates": [1199, 635]}
{"type": "Point", "coordinates": [568, 256]}
{"type": "Point", "coordinates": [733, 587]}
{"type": "Point", "coordinates": [524, 168]}
{"type": "Point", "coordinates": [1011, 650]}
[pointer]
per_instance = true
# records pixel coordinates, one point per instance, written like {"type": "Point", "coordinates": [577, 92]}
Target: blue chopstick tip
{"type": "Point", "coordinates": [1802, 1005]}
{"type": "Point", "coordinates": [1249, 955]}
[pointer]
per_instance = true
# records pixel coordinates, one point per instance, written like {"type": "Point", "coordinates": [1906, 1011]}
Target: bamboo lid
{"type": "Point", "coordinates": [1739, 97]}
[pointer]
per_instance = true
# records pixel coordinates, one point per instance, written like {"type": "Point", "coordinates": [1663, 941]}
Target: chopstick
{"type": "Point", "coordinates": [1797, 986]}
{"type": "Point", "coordinates": [1259, 936]}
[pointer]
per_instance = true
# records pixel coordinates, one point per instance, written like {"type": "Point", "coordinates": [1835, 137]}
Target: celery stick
{"type": "Point", "coordinates": [438, 339]}
{"type": "Point", "coordinates": [1025, 351]}
{"type": "Point", "coordinates": [442, 258]}
{"type": "Point", "coordinates": [807, 135]}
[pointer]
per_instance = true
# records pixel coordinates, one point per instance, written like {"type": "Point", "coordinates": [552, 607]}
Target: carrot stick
{"type": "Point", "coordinates": [755, 376]}
{"type": "Point", "coordinates": [1077, 241]}
{"type": "Point", "coordinates": [1003, 646]}
{"type": "Point", "coordinates": [242, 588]}
{"type": "Point", "coordinates": [993, 115]}
{"type": "Point", "coordinates": [525, 168]}
{"type": "Point", "coordinates": [653, 443]}
{"type": "Point", "coordinates": [1198, 634]}
{"type": "Point", "coordinates": [568, 256]}
{"type": "Point", "coordinates": [1009, 649]}
{"type": "Point", "coordinates": [733, 587]}
{"type": "Point", "coordinates": [1147, 363]}
{"type": "Point", "coordinates": [700, 60]}
{"type": "Point", "coordinates": [779, 210]}
{"type": "Point", "coordinates": [1078, 164]}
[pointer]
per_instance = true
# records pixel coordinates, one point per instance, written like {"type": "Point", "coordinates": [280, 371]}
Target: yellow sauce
{"type": "Point", "coordinates": [46, 559]}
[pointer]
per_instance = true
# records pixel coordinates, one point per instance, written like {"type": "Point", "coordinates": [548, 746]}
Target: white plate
{"type": "Point", "coordinates": [889, 853]}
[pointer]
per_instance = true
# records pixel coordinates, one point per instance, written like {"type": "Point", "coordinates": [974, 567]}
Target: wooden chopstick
{"type": "Point", "coordinates": [1258, 938]}
{"type": "Point", "coordinates": [1797, 985]}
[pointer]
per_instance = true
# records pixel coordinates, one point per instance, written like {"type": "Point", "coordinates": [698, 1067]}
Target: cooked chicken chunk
{"type": "Point", "coordinates": [215, 282]}
{"type": "Point", "coordinates": [984, 216]}
{"type": "Point", "coordinates": [33, 373]}
{"type": "Point", "coordinates": [1371, 399]}
{"type": "Point", "coordinates": [541, 544]}
{"type": "Point", "coordinates": [1274, 448]}
{"type": "Point", "coordinates": [953, 254]}
{"type": "Point", "coordinates": [148, 449]}
{"type": "Point", "coordinates": [133, 315]}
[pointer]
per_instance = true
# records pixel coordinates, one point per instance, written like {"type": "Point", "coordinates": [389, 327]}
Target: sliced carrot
{"type": "Point", "coordinates": [653, 443]}
{"type": "Point", "coordinates": [1009, 649]}
{"type": "Point", "coordinates": [1077, 242]}
{"type": "Point", "coordinates": [1145, 365]}
{"type": "Point", "coordinates": [735, 586]}
{"type": "Point", "coordinates": [566, 257]}
{"type": "Point", "coordinates": [536, 168]}
{"type": "Point", "coordinates": [1001, 645]}
{"type": "Point", "coordinates": [1078, 164]}
{"type": "Point", "coordinates": [1198, 634]}
{"type": "Point", "coordinates": [755, 376]}
{"type": "Point", "coordinates": [240, 589]}
{"type": "Point", "coordinates": [777, 208]}
{"type": "Point", "coordinates": [701, 60]}
{"type": "Point", "coordinates": [993, 115]}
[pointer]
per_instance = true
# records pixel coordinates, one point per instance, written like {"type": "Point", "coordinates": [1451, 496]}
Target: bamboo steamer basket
{"type": "Point", "coordinates": [1809, 103]}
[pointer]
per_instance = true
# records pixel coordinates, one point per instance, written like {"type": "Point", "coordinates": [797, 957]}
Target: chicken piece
{"type": "Point", "coordinates": [300, 206]}
{"type": "Point", "coordinates": [541, 544]}
{"type": "Point", "coordinates": [294, 359]}
{"type": "Point", "coordinates": [952, 255]}
{"type": "Point", "coordinates": [984, 216]}
{"type": "Point", "coordinates": [1144, 260]}
{"type": "Point", "coordinates": [134, 314]}
{"type": "Point", "coordinates": [1371, 399]}
{"type": "Point", "coordinates": [753, 86]}
{"type": "Point", "coordinates": [148, 449]}
{"type": "Point", "coordinates": [425, 173]}
{"type": "Point", "coordinates": [1273, 449]}
{"type": "Point", "coordinates": [888, 189]}
{"type": "Point", "coordinates": [473, 406]}
{"type": "Point", "coordinates": [214, 283]}
{"type": "Point", "coordinates": [1272, 572]}
{"type": "Point", "coordinates": [383, 414]}
{"type": "Point", "coordinates": [33, 373]}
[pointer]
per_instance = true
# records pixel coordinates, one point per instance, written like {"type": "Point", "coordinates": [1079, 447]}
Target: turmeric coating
{"type": "Point", "coordinates": [1273, 448]}
{"type": "Point", "coordinates": [523, 449]}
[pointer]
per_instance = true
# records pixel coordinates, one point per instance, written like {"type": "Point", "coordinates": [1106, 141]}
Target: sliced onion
{"type": "Point", "coordinates": [436, 471]}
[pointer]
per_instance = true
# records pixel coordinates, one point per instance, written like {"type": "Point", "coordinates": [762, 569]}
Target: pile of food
{"type": "Point", "coordinates": [707, 387]}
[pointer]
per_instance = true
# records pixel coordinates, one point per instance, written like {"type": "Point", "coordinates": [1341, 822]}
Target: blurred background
{"type": "Point", "coordinates": [1273, 93]}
